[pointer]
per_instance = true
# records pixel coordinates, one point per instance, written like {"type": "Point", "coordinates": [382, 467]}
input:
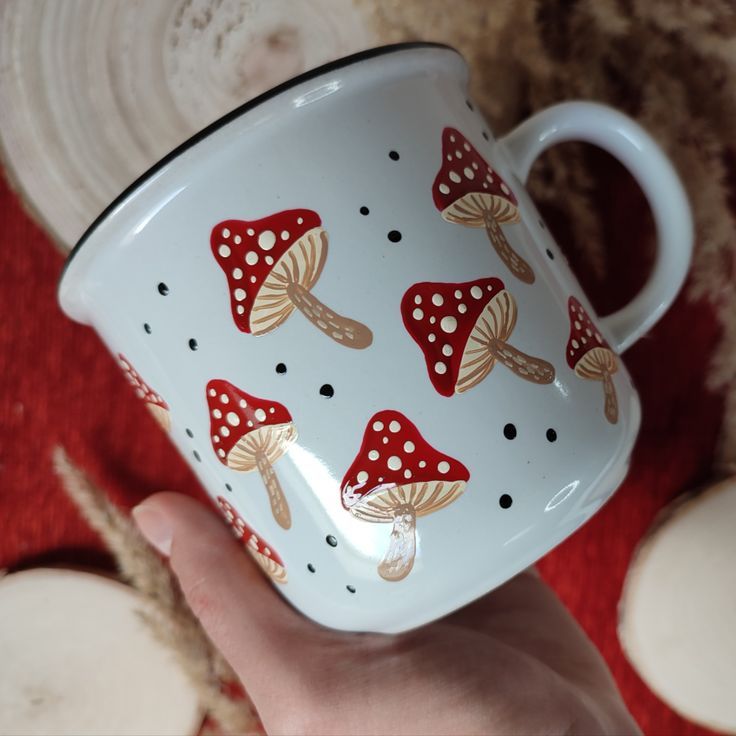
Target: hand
{"type": "Point", "coordinates": [514, 662]}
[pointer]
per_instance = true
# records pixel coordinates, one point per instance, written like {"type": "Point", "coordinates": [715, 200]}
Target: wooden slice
{"type": "Point", "coordinates": [95, 92]}
{"type": "Point", "coordinates": [78, 658]}
{"type": "Point", "coordinates": [678, 611]}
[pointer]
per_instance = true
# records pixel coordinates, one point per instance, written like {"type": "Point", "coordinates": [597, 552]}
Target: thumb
{"type": "Point", "coordinates": [243, 615]}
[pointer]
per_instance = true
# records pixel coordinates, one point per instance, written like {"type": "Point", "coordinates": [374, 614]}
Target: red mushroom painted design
{"type": "Point", "coordinates": [261, 552]}
{"type": "Point", "coordinates": [248, 434]}
{"type": "Point", "coordinates": [154, 403]}
{"type": "Point", "coordinates": [591, 357]}
{"type": "Point", "coordinates": [396, 477]}
{"type": "Point", "coordinates": [271, 266]}
{"type": "Point", "coordinates": [467, 191]}
{"type": "Point", "coordinates": [463, 329]}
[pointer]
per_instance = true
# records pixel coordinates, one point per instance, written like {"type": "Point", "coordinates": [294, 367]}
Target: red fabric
{"type": "Point", "coordinates": [59, 385]}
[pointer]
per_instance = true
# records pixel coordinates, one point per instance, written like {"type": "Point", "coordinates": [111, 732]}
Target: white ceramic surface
{"type": "Point", "coordinates": [539, 457]}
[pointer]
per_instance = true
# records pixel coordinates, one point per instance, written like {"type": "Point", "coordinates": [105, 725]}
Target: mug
{"type": "Point", "coordinates": [343, 306]}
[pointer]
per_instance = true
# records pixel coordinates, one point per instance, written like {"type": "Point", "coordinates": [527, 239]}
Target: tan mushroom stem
{"type": "Point", "coordinates": [399, 559]}
{"type": "Point", "coordinates": [516, 264]}
{"type": "Point", "coordinates": [279, 505]}
{"type": "Point", "coordinates": [526, 366]}
{"type": "Point", "coordinates": [342, 329]}
{"type": "Point", "coordinates": [599, 364]}
{"type": "Point", "coordinates": [611, 402]}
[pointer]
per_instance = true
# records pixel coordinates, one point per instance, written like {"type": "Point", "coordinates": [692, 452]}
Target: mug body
{"type": "Point", "coordinates": [344, 308]}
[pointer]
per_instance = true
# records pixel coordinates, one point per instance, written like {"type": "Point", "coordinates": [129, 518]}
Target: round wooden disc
{"type": "Point", "coordinates": [77, 658]}
{"type": "Point", "coordinates": [678, 606]}
{"type": "Point", "coordinates": [95, 92]}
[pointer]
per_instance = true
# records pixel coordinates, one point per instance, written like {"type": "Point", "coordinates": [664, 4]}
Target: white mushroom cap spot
{"type": "Point", "coordinates": [437, 300]}
{"type": "Point", "coordinates": [449, 157]}
{"type": "Point", "coordinates": [583, 340]}
{"type": "Point", "coordinates": [466, 146]}
{"type": "Point", "coordinates": [221, 452]}
{"type": "Point", "coordinates": [251, 258]}
{"type": "Point", "coordinates": [260, 415]}
{"type": "Point", "coordinates": [271, 410]}
{"type": "Point", "coordinates": [215, 438]}
{"type": "Point", "coordinates": [452, 139]}
{"type": "Point", "coordinates": [299, 220]}
{"type": "Point", "coordinates": [469, 173]}
{"type": "Point", "coordinates": [417, 314]}
{"type": "Point", "coordinates": [252, 279]}
{"type": "Point", "coordinates": [240, 309]}
{"type": "Point", "coordinates": [489, 177]}
{"type": "Point", "coordinates": [216, 413]}
{"type": "Point", "coordinates": [250, 231]}
{"type": "Point", "coordinates": [422, 463]}
{"type": "Point", "coordinates": [575, 344]}
{"type": "Point", "coordinates": [394, 426]}
{"type": "Point", "coordinates": [476, 292]}
{"type": "Point", "coordinates": [440, 367]}
{"type": "Point", "coordinates": [269, 260]}
{"type": "Point", "coordinates": [454, 177]}
{"type": "Point", "coordinates": [588, 332]}
{"type": "Point", "coordinates": [409, 446]}
{"type": "Point", "coordinates": [418, 299]}
{"type": "Point", "coordinates": [242, 403]}
{"type": "Point", "coordinates": [407, 474]}
{"type": "Point", "coordinates": [443, 466]}
{"type": "Point", "coordinates": [237, 273]}
{"type": "Point", "coordinates": [232, 419]}
{"type": "Point", "coordinates": [394, 462]}
{"type": "Point", "coordinates": [224, 250]}
{"type": "Point", "coordinates": [431, 337]}
{"type": "Point", "coordinates": [362, 477]}
{"type": "Point", "coordinates": [284, 235]}
{"type": "Point", "coordinates": [447, 350]}
{"type": "Point", "coordinates": [462, 308]}
{"type": "Point", "coordinates": [224, 399]}
{"type": "Point", "coordinates": [225, 233]}
{"type": "Point", "coordinates": [267, 239]}
{"type": "Point", "coordinates": [485, 185]}
{"type": "Point", "coordinates": [598, 337]}
{"type": "Point", "coordinates": [432, 319]}
{"type": "Point", "coordinates": [237, 239]}
{"type": "Point", "coordinates": [224, 431]}
{"type": "Point", "coordinates": [444, 189]}
{"type": "Point", "coordinates": [448, 324]}
{"type": "Point", "coordinates": [458, 294]}
{"type": "Point", "coordinates": [458, 154]}
{"type": "Point", "coordinates": [374, 455]}
{"type": "Point", "coordinates": [239, 295]}
{"type": "Point", "coordinates": [475, 165]}
{"type": "Point", "coordinates": [212, 392]}
{"type": "Point", "coordinates": [577, 325]}
{"type": "Point", "coordinates": [385, 440]}
{"type": "Point", "coordinates": [249, 423]}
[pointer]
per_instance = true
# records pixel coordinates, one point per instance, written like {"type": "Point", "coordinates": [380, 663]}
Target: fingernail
{"type": "Point", "coordinates": [155, 527]}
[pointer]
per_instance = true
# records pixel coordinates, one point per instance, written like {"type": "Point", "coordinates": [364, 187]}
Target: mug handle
{"type": "Point", "coordinates": [629, 143]}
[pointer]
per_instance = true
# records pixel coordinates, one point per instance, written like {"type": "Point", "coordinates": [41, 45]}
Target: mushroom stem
{"type": "Point", "coordinates": [279, 505]}
{"type": "Point", "coordinates": [611, 404]}
{"type": "Point", "coordinates": [346, 331]}
{"type": "Point", "coordinates": [399, 559]}
{"type": "Point", "coordinates": [525, 366]}
{"type": "Point", "coordinates": [516, 264]}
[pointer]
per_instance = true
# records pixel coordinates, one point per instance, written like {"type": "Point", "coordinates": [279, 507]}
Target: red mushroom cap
{"type": "Point", "coordinates": [441, 318]}
{"type": "Point", "coordinates": [584, 335]}
{"type": "Point", "coordinates": [261, 551]}
{"type": "Point", "coordinates": [394, 455]}
{"type": "Point", "coordinates": [259, 257]}
{"type": "Point", "coordinates": [466, 185]}
{"type": "Point", "coordinates": [142, 389]}
{"type": "Point", "coordinates": [242, 424]}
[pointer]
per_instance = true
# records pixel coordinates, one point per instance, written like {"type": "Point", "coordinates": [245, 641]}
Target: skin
{"type": "Point", "coordinates": [514, 662]}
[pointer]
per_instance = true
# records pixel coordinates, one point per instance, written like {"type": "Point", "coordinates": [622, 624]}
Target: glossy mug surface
{"type": "Point", "coordinates": [344, 308]}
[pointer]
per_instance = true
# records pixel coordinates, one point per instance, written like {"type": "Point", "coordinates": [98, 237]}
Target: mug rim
{"type": "Point", "coordinates": [240, 110]}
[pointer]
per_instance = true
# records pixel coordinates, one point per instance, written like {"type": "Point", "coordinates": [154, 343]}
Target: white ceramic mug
{"type": "Point", "coordinates": [346, 310]}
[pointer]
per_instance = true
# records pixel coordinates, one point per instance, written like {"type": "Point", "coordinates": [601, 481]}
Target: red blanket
{"type": "Point", "coordinates": [59, 385]}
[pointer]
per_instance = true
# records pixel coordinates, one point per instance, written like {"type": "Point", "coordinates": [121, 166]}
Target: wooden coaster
{"type": "Point", "coordinates": [678, 608]}
{"type": "Point", "coordinates": [77, 658]}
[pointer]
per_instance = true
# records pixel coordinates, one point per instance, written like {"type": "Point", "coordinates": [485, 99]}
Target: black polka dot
{"type": "Point", "coordinates": [505, 501]}
{"type": "Point", "coordinates": [551, 435]}
{"type": "Point", "coordinates": [393, 155]}
{"type": "Point", "coordinates": [351, 588]}
{"type": "Point", "coordinates": [550, 254]}
{"type": "Point", "coordinates": [509, 431]}
{"type": "Point", "coordinates": [281, 368]}
{"type": "Point", "coordinates": [327, 391]}
{"type": "Point", "coordinates": [193, 344]}
{"type": "Point", "coordinates": [469, 104]}
{"type": "Point", "coordinates": [163, 289]}
{"type": "Point", "coordinates": [197, 457]}
{"type": "Point", "coordinates": [311, 567]}
{"type": "Point", "coordinates": [394, 236]}
{"type": "Point", "coordinates": [364, 210]}
{"type": "Point", "coordinates": [189, 432]}
{"type": "Point", "coordinates": [485, 135]}
{"type": "Point", "coordinates": [147, 327]}
{"type": "Point", "coordinates": [331, 540]}
{"type": "Point", "coordinates": [229, 487]}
